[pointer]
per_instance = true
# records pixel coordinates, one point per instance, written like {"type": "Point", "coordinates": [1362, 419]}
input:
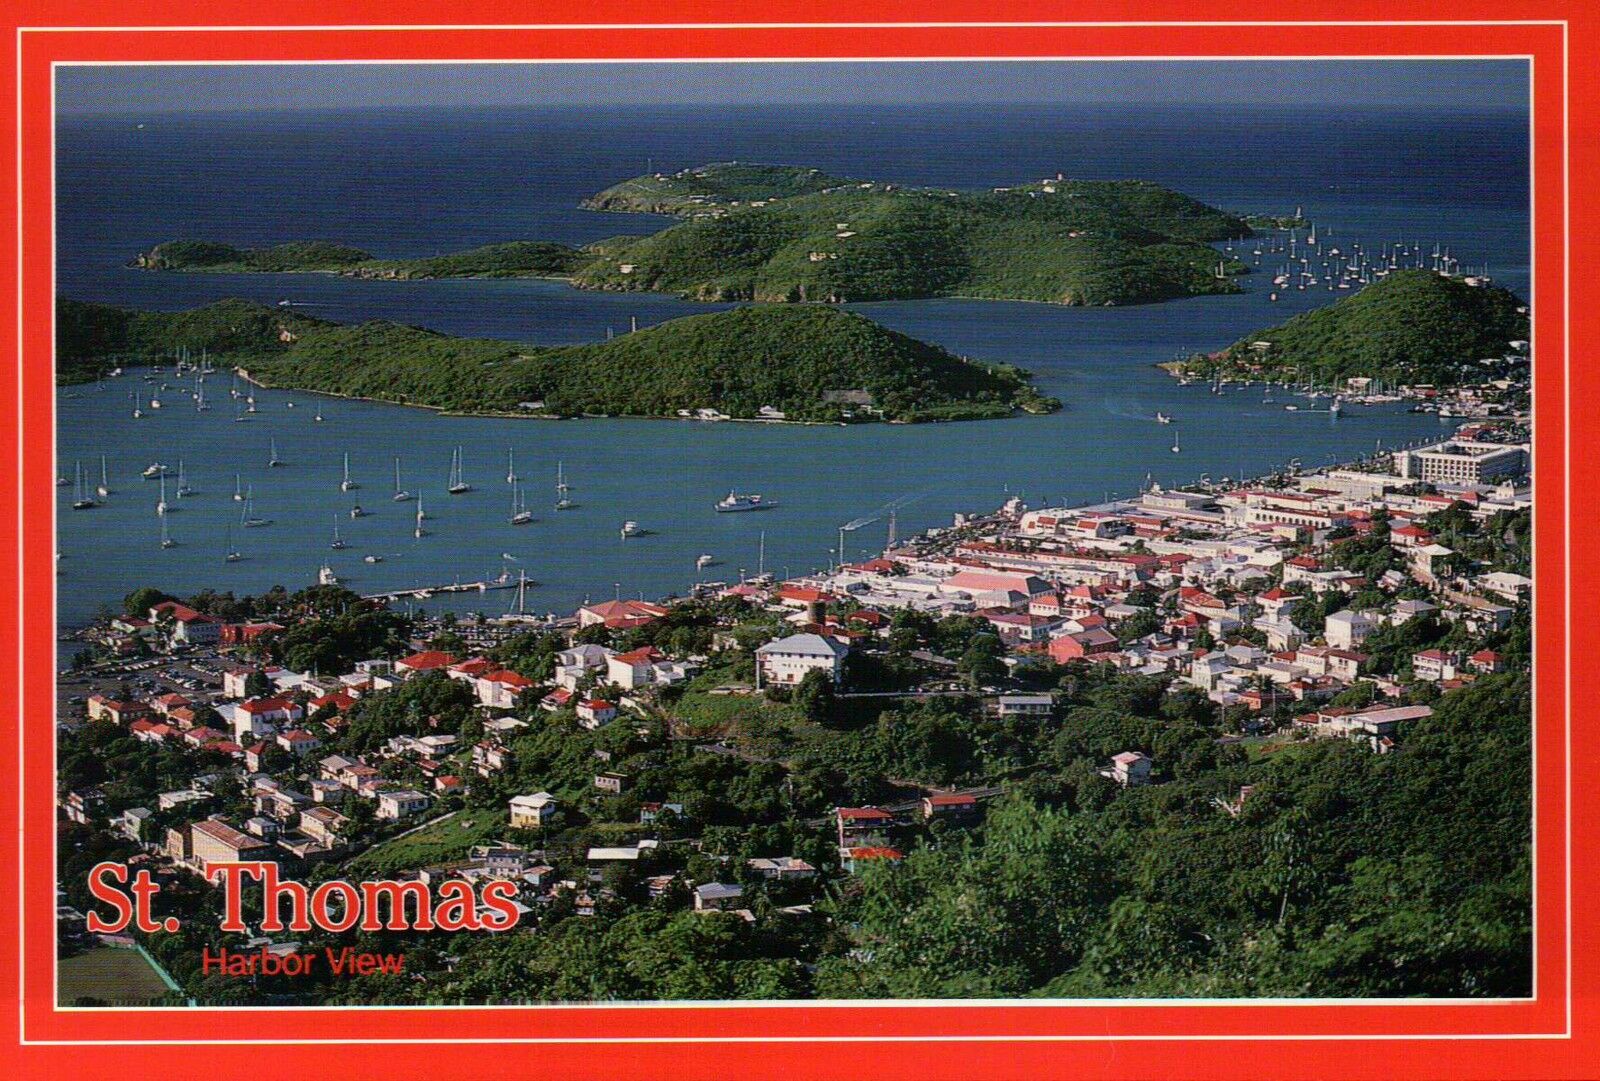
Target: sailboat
{"type": "Point", "coordinates": [238, 492]}
{"type": "Point", "coordinates": [338, 541]}
{"type": "Point", "coordinates": [400, 494]}
{"type": "Point", "coordinates": [347, 484]}
{"type": "Point", "coordinates": [562, 487]}
{"type": "Point", "coordinates": [105, 484]}
{"type": "Point", "coordinates": [318, 417]}
{"type": "Point", "coordinates": [511, 466]}
{"type": "Point", "coordinates": [183, 481]}
{"type": "Point", "coordinates": [520, 514]}
{"type": "Point", "coordinates": [273, 461]}
{"type": "Point", "coordinates": [419, 532]}
{"type": "Point", "coordinates": [80, 497]}
{"type": "Point", "coordinates": [247, 517]}
{"type": "Point", "coordinates": [458, 483]}
{"type": "Point", "coordinates": [230, 554]}
{"type": "Point", "coordinates": [166, 538]}
{"type": "Point", "coordinates": [1175, 448]}
{"type": "Point", "coordinates": [161, 504]}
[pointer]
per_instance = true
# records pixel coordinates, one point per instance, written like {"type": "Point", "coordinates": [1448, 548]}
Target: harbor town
{"type": "Point", "coordinates": [749, 751]}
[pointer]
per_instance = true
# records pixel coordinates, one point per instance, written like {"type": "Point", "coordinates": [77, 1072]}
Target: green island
{"type": "Point", "coordinates": [790, 234]}
{"type": "Point", "coordinates": [802, 363]}
{"type": "Point", "coordinates": [1412, 326]}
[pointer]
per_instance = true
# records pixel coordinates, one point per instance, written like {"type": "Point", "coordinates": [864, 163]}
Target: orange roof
{"type": "Point", "coordinates": [427, 659]}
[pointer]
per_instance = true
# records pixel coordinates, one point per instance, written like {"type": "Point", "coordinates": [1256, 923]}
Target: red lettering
{"type": "Point", "coordinates": [109, 895]}
{"type": "Point", "coordinates": [231, 876]}
{"type": "Point", "coordinates": [457, 909]}
{"type": "Point", "coordinates": [144, 890]}
{"type": "Point", "coordinates": [350, 907]}
{"type": "Point", "coordinates": [396, 893]}
{"type": "Point", "coordinates": [498, 898]}
{"type": "Point", "coordinates": [273, 891]}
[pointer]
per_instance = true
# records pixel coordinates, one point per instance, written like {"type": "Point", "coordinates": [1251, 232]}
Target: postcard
{"type": "Point", "coordinates": [972, 545]}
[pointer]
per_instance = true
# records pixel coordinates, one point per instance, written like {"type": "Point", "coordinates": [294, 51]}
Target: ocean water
{"type": "Point", "coordinates": [402, 183]}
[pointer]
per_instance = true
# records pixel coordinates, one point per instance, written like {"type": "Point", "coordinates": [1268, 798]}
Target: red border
{"type": "Point", "coordinates": [1289, 1040]}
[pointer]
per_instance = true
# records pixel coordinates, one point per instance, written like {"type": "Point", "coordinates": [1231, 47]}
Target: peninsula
{"type": "Point", "coordinates": [791, 234]}
{"type": "Point", "coordinates": [800, 363]}
{"type": "Point", "coordinates": [1411, 326]}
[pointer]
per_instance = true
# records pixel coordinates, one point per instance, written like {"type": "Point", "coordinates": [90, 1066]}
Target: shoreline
{"type": "Point", "coordinates": [243, 373]}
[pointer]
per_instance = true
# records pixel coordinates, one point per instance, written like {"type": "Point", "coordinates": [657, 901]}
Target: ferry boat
{"type": "Point", "coordinates": [734, 502]}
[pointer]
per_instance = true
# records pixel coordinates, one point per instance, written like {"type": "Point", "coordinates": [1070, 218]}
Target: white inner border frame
{"type": "Point", "coordinates": [1565, 660]}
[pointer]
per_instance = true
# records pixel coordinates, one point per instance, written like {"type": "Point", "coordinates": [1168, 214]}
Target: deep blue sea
{"type": "Point", "coordinates": [415, 182]}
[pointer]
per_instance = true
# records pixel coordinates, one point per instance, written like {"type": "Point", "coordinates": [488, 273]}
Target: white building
{"type": "Point", "coordinates": [787, 660]}
{"type": "Point", "coordinates": [532, 812]}
{"type": "Point", "coordinates": [1347, 629]}
{"type": "Point", "coordinates": [402, 804]}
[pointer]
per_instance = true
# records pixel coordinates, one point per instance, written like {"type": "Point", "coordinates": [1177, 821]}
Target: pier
{"type": "Point", "coordinates": [424, 592]}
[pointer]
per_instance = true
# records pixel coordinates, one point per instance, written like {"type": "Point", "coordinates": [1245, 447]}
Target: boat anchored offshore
{"type": "Point", "coordinates": [733, 502]}
{"type": "Point", "coordinates": [1162, 418]}
{"type": "Point", "coordinates": [458, 483]}
{"type": "Point", "coordinates": [704, 561]}
{"type": "Point", "coordinates": [630, 529]}
{"type": "Point", "coordinates": [400, 494]}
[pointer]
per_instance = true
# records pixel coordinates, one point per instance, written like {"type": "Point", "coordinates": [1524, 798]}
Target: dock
{"type": "Point", "coordinates": [424, 592]}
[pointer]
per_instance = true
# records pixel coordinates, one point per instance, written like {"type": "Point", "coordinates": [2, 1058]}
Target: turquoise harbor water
{"type": "Point", "coordinates": [408, 183]}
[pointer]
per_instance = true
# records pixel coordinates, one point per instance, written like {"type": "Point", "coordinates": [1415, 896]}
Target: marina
{"type": "Point", "coordinates": [1122, 415]}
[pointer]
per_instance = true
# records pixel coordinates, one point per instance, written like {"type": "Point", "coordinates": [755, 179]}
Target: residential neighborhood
{"type": "Point", "coordinates": [770, 752]}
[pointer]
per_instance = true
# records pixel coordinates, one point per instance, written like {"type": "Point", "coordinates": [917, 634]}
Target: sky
{"type": "Point", "coordinates": [1447, 85]}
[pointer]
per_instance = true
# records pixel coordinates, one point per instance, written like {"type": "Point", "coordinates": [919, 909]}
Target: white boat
{"type": "Point", "coordinates": [273, 461]}
{"type": "Point", "coordinates": [155, 403]}
{"type": "Point", "coordinates": [458, 483]}
{"type": "Point", "coordinates": [326, 577]}
{"type": "Point", "coordinates": [105, 484]}
{"type": "Point", "coordinates": [630, 529]}
{"type": "Point", "coordinates": [161, 504]}
{"type": "Point", "coordinates": [704, 562]}
{"type": "Point", "coordinates": [356, 511]}
{"type": "Point", "coordinates": [238, 492]}
{"type": "Point", "coordinates": [520, 514]}
{"type": "Point", "coordinates": [1292, 408]}
{"type": "Point", "coordinates": [733, 502]}
{"type": "Point", "coordinates": [1175, 448]}
{"type": "Point", "coordinates": [247, 517]}
{"type": "Point", "coordinates": [80, 497]}
{"type": "Point", "coordinates": [1162, 418]}
{"type": "Point", "coordinates": [419, 532]}
{"type": "Point", "coordinates": [318, 417]}
{"type": "Point", "coordinates": [400, 494]}
{"type": "Point", "coordinates": [562, 487]}
{"type": "Point", "coordinates": [230, 554]}
{"type": "Point", "coordinates": [184, 488]}
{"type": "Point", "coordinates": [154, 470]}
{"type": "Point", "coordinates": [511, 467]}
{"type": "Point", "coordinates": [337, 543]}
{"type": "Point", "coordinates": [166, 538]}
{"type": "Point", "coordinates": [374, 558]}
{"type": "Point", "coordinates": [347, 485]}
